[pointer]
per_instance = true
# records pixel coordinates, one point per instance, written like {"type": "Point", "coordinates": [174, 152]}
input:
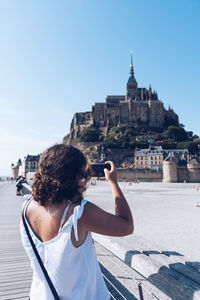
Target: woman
{"type": "Point", "coordinates": [60, 223]}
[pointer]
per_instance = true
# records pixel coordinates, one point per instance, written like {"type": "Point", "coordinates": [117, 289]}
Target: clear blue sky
{"type": "Point", "coordinates": [59, 57]}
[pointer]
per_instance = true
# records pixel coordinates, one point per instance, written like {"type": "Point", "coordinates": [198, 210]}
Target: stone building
{"type": "Point", "coordinates": [28, 165]}
{"type": "Point", "coordinates": [31, 163]}
{"type": "Point", "coordinates": [139, 107]}
{"type": "Point", "coordinates": [153, 157]}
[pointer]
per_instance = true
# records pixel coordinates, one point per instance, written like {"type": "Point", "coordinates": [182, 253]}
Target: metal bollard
{"type": "Point", "coordinates": [140, 291]}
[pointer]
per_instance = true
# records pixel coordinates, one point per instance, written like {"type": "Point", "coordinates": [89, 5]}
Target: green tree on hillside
{"type": "Point", "coordinates": [192, 146]}
{"type": "Point", "coordinates": [90, 134]}
{"type": "Point", "coordinates": [170, 122]}
{"type": "Point", "coordinates": [176, 133]}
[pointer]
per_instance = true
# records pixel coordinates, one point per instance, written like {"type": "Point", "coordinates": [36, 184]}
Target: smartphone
{"type": "Point", "coordinates": [98, 169]}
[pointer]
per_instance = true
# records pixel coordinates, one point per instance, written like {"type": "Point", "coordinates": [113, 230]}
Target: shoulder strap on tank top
{"type": "Point", "coordinates": [78, 210]}
{"type": "Point", "coordinates": [25, 205]}
{"type": "Point", "coordinates": [73, 219]}
{"type": "Point", "coordinates": [64, 215]}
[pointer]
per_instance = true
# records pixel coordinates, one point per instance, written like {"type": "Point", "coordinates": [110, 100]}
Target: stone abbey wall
{"type": "Point", "coordinates": [128, 112]}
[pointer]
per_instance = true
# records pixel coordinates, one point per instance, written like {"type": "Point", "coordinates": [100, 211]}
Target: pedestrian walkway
{"type": "Point", "coordinates": [15, 271]}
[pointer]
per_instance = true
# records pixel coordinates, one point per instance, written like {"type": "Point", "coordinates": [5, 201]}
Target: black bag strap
{"type": "Point", "coordinates": [53, 290]}
{"type": "Point", "coordinates": [140, 291]}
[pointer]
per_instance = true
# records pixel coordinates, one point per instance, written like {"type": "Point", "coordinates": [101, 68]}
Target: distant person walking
{"type": "Point", "coordinates": [60, 223]}
{"type": "Point", "coordinates": [19, 182]}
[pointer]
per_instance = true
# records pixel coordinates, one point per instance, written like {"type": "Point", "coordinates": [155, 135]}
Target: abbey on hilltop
{"type": "Point", "coordinates": [140, 107]}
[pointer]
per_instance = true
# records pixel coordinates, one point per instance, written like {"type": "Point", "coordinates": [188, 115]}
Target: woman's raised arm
{"type": "Point", "coordinates": [97, 220]}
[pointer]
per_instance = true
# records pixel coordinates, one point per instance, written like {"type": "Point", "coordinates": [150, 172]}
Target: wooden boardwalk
{"type": "Point", "coordinates": [15, 271]}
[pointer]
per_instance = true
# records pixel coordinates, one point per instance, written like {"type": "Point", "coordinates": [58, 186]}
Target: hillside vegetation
{"type": "Point", "coordinates": [129, 137]}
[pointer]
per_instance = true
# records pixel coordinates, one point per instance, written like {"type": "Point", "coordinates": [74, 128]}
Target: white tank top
{"type": "Point", "coordinates": [75, 272]}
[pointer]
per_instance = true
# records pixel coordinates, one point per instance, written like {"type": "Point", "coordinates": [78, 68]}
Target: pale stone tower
{"type": "Point", "coordinates": [15, 169]}
{"type": "Point", "coordinates": [170, 173]}
{"type": "Point", "coordinates": [193, 170]}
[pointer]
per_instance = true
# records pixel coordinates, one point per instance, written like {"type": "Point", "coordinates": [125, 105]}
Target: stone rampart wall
{"type": "Point", "coordinates": [171, 174]}
{"type": "Point", "coordinates": [194, 174]}
{"type": "Point", "coordinates": [182, 174]}
{"type": "Point", "coordinates": [145, 175]}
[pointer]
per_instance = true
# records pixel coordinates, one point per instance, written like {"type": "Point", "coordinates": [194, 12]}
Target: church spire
{"type": "Point", "coordinates": [131, 87]}
{"type": "Point", "coordinates": [131, 66]}
{"type": "Point", "coordinates": [131, 78]}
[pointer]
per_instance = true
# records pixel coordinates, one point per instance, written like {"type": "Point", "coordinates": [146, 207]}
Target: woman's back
{"type": "Point", "coordinates": [61, 232]}
{"type": "Point", "coordinates": [45, 222]}
{"type": "Point", "coordinates": [74, 271]}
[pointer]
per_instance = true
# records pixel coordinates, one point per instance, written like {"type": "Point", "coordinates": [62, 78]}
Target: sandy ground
{"type": "Point", "coordinates": [164, 213]}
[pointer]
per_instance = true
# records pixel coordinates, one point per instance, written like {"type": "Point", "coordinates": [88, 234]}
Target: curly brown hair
{"type": "Point", "coordinates": [60, 169]}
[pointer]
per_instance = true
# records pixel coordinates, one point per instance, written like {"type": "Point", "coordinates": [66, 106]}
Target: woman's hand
{"type": "Point", "coordinates": [111, 175]}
